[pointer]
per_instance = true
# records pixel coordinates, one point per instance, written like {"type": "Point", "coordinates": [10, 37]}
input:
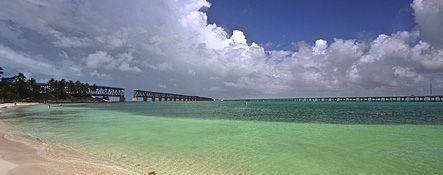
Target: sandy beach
{"type": "Point", "coordinates": [22, 156]}
{"type": "Point", "coordinates": [8, 105]}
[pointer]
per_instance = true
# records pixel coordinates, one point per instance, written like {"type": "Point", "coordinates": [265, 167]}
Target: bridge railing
{"type": "Point", "coordinates": [161, 96]}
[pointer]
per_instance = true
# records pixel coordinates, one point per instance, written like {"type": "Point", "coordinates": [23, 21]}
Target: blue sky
{"type": "Point", "coordinates": [287, 21]}
{"type": "Point", "coordinates": [233, 49]}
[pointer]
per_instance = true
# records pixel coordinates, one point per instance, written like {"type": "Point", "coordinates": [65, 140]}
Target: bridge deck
{"type": "Point", "coordinates": [161, 96]}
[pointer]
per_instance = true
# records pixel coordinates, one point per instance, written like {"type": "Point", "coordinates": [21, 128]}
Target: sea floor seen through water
{"type": "Point", "coordinates": [235, 138]}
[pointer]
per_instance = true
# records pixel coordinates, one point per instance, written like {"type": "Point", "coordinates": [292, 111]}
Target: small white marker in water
{"type": "Point", "coordinates": [246, 103]}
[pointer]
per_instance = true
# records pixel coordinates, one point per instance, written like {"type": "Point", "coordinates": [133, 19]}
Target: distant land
{"type": "Point", "coordinates": [18, 89]}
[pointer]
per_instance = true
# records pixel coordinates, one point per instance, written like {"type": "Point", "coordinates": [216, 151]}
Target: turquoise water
{"type": "Point", "coordinates": [235, 138]}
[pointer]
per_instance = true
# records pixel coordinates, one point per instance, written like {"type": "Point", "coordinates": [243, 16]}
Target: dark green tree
{"type": "Point", "coordinates": [52, 84]}
{"type": "Point", "coordinates": [61, 89]}
{"type": "Point", "coordinates": [84, 89]}
{"type": "Point", "coordinates": [33, 87]}
{"type": "Point", "coordinates": [20, 85]}
{"type": "Point", "coordinates": [71, 87]}
{"type": "Point", "coordinates": [94, 87]}
{"type": "Point", "coordinates": [17, 88]}
{"type": "Point", "coordinates": [77, 87]}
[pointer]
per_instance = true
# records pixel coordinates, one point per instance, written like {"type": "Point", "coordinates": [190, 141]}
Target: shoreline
{"type": "Point", "coordinates": [9, 105]}
{"type": "Point", "coordinates": [20, 155]}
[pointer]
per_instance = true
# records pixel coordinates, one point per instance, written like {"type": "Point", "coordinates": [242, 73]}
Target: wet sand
{"type": "Point", "coordinates": [8, 105]}
{"type": "Point", "coordinates": [22, 156]}
{"type": "Point", "coordinates": [17, 158]}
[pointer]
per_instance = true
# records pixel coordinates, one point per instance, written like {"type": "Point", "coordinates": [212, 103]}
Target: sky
{"type": "Point", "coordinates": [284, 22]}
{"type": "Point", "coordinates": [229, 49]}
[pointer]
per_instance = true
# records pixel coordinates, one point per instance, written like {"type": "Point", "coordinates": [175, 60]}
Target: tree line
{"type": "Point", "coordinates": [17, 87]}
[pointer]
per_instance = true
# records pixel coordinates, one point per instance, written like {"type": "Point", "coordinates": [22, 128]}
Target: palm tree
{"type": "Point", "coordinates": [87, 88]}
{"type": "Point", "coordinates": [71, 87]}
{"type": "Point", "coordinates": [62, 85]}
{"type": "Point", "coordinates": [62, 88]}
{"type": "Point", "coordinates": [33, 87]}
{"type": "Point", "coordinates": [83, 89]}
{"type": "Point", "coordinates": [51, 84]}
{"type": "Point", "coordinates": [20, 84]}
{"type": "Point", "coordinates": [94, 87]}
{"type": "Point", "coordinates": [77, 87]}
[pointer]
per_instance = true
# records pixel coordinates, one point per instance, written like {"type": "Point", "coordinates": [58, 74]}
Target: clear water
{"type": "Point", "coordinates": [257, 138]}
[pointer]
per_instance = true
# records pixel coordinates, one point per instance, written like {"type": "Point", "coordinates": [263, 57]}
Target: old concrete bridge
{"type": "Point", "coordinates": [160, 96]}
{"type": "Point", "coordinates": [412, 98]}
{"type": "Point", "coordinates": [106, 92]}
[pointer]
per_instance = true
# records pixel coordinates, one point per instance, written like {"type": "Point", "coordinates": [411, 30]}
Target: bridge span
{"type": "Point", "coordinates": [412, 98]}
{"type": "Point", "coordinates": [106, 92]}
{"type": "Point", "coordinates": [160, 96]}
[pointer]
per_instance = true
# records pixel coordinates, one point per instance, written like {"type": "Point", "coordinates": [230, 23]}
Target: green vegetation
{"type": "Point", "coordinates": [17, 88]}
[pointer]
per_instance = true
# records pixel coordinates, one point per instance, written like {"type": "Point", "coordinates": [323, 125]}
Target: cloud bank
{"type": "Point", "coordinates": [169, 46]}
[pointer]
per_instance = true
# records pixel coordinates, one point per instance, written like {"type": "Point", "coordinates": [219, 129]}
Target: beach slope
{"type": "Point", "coordinates": [18, 158]}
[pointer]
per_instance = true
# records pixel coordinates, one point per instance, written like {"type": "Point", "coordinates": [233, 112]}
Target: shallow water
{"type": "Point", "coordinates": [235, 138]}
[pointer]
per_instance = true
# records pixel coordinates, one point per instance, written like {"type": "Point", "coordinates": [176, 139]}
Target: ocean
{"type": "Point", "coordinates": [240, 138]}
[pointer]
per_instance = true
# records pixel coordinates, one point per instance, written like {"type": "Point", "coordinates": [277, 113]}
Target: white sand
{"type": "Point", "coordinates": [9, 105]}
{"type": "Point", "coordinates": [6, 166]}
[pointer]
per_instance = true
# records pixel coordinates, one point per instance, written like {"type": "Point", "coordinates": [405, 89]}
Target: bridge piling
{"type": "Point", "coordinates": [160, 96]}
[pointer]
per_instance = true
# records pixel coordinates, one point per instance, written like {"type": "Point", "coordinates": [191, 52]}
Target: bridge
{"type": "Point", "coordinates": [160, 96]}
{"type": "Point", "coordinates": [104, 91]}
{"type": "Point", "coordinates": [412, 98]}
